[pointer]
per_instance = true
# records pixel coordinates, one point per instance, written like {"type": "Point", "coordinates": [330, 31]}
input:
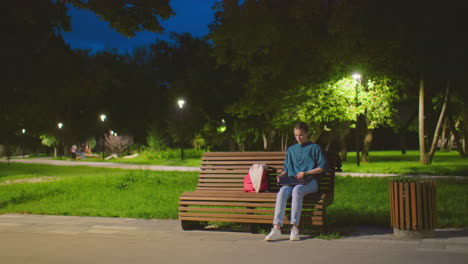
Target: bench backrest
{"type": "Point", "coordinates": [226, 170]}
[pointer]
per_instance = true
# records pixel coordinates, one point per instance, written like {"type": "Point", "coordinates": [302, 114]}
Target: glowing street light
{"type": "Point", "coordinates": [181, 103]}
{"type": "Point", "coordinates": [356, 76]}
{"type": "Point", "coordinates": [22, 140]}
{"type": "Point", "coordinates": [60, 147]}
{"type": "Point", "coordinates": [103, 118]}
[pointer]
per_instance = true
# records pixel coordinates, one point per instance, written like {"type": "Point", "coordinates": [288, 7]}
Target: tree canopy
{"type": "Point", "coordinates": [265, 65]}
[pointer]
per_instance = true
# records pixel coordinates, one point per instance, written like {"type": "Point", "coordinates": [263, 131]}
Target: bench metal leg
{"type": "Point", "coordinates": [190, 225]}
{"type": "Point", "coordinates": [256, 228]}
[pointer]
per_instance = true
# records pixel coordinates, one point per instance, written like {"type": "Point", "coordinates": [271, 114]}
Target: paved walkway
{"type": "Point", "coordinates": [67, 239]}
{"type": "Point", "coordinates": [181, 168]}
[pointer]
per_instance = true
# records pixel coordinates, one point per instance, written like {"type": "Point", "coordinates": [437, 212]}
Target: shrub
{"type": "Point", "coordinates": [171, 154]}
{"type": "Point", "coordinates": [117, 144]}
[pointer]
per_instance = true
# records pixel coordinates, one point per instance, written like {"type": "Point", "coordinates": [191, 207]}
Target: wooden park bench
{"type": "Point", "coordinates": [219, 196]}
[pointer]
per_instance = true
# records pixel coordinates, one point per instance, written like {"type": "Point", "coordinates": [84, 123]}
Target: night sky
{"type": "Point", "coordinates": [90, 32]}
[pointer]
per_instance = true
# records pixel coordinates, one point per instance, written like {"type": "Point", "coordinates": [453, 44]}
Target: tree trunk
{"type": "Point", "coordinates": [271, 139]}
{"type": "Point", "coordinates": [422, 141]}
{"type": "Point", "coordinates": [444, 137]}
{"type": "Point", "coordinates": [344, 147]}
{"type": "Point", "coordinates": [450, 139]}
{"type": "Point", "coordinates": [465, 129]}
{"type": "Point", "coordinates": [456, 136]}
{"type": "Point", "coordinates": [366, 145]}
{"type": "Point", "coordinates": [265, 141]}
{"type": "Point", "coordinates": [314, 137]}
{"type": "Point", "coordinates": [435, 139]}
{"type": "Point", "coordinates": [403, 130]}
{"type": "Point", "coordinates": [403, 142]}
{"type": "Point", "coordinates": [284, 141]}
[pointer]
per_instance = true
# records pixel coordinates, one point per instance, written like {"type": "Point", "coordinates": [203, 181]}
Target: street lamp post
{"type": "Point", "coordinates": [60, 147]}
{"type": "Point", "coordinates": [103, 118]}
{"type": "Point", "coordinates": [22, 140]}
{"type": "Point", "coordinates": [181, 104]}
{"type": "Point", "coordinates": [357, 77]}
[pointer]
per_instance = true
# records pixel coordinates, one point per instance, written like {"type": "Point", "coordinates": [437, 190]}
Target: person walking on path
{"type": "Point", "coordinates": [82, 152]}
{"type": "Point", "coordinates": [303, 160]}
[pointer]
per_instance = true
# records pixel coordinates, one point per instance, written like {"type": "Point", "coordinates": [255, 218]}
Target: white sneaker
{"type": "Point", "coordinates": [294, 234]}
{"type": "Point", "coordinates": [275, 234]}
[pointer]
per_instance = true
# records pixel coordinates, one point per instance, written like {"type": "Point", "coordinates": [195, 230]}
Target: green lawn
{"type": "Point", "coordinates": [444, 163]}
{"type": "Point", "coordinates": [86, 191]}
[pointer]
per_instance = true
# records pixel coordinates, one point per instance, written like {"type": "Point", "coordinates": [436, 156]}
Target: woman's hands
{"type": "Point", "coordinates": [279, 176]}
{"type": "Point", "coordinates": [300, 175]}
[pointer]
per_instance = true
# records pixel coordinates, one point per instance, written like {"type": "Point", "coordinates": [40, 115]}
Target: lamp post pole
{"type": "Point", "coordinates": [60, 147]}
{"type": "Point", "coordinates": [181, 103]}
{"type": "Point", "coordinates": [22, 140]}
{"type": "Point", "coordinates": [357, 77]}
{"type": "Point", "coordinates": [103, 117]}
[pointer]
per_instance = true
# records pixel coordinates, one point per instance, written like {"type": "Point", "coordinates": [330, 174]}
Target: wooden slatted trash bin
{"type": "Point", "coordinates": [413, 208]}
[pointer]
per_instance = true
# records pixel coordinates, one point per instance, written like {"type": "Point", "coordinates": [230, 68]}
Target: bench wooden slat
{"type": "Point", "coordinates": [236, 216]}
{"type": "Point", "coordinates": [221, 180]}
{"type": "Point", "coordinates": [233, 176]}
{"type": "Point", "coordinates": [239, 210]}
{"type": "Point", "coordinates": [280, 154]}
{"type": "Point", "coordinates": [227, 210]}
{"type": "Point", "coordinates": [238, 185]}
{"type": "Point", "coordinates": [233, 204]}
{"type": "Point", "coordinates": [251, 202]}
{"type": "Point", "coordinates": [253, 159]}
{"type": "Point", "coordinates": [231, 167]}
{"type": "Point", "coordinates": [233, 171]}
{"type": "Point", "coordinates": [218, 189]}
{"type": "Point", "coordinates": [241, 199]}
{"type": "Point", "coordinates": [233, 220]}
{"type": "Point", "coordinates": [241, 194]}
{"type": "Point", "coordinates": [240, 162]}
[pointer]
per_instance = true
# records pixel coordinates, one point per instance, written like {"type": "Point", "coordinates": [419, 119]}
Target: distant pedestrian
{"type": "Point", "coordinates": [73, 152]}
{"type": "Point", "coordinates": [82, 151]}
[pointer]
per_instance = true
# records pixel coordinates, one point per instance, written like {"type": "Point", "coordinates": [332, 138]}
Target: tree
{"type": "Point", "coordinates": [405, 44]}
{"type": "Point", "coordinates": [276, 44]}
{"type": "Point", "coordinates": [49, 141]}
{"type": "Point", "coordinates": [126, 16]}
{"type": "Point", "coordinates": [41, 75]}
{"type": "Point", "coordinates": [188, 70]}
{"type": "Point", "coordinates": [117, 144]}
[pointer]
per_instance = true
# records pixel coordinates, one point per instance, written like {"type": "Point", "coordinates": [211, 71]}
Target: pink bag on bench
{"type": "Point", "coordinates": [256, 180]}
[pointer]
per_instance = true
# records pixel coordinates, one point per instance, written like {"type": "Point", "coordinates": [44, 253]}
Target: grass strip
{"type": "Point", "coordinates": [88, 191]}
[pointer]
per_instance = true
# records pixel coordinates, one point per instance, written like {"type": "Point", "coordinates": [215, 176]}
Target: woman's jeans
{"type": "Point", "coordinates": [298, 192]}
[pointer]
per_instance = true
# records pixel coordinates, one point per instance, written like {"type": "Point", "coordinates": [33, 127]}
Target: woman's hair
{"type": "Point", "coordinates": [302, 126]}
